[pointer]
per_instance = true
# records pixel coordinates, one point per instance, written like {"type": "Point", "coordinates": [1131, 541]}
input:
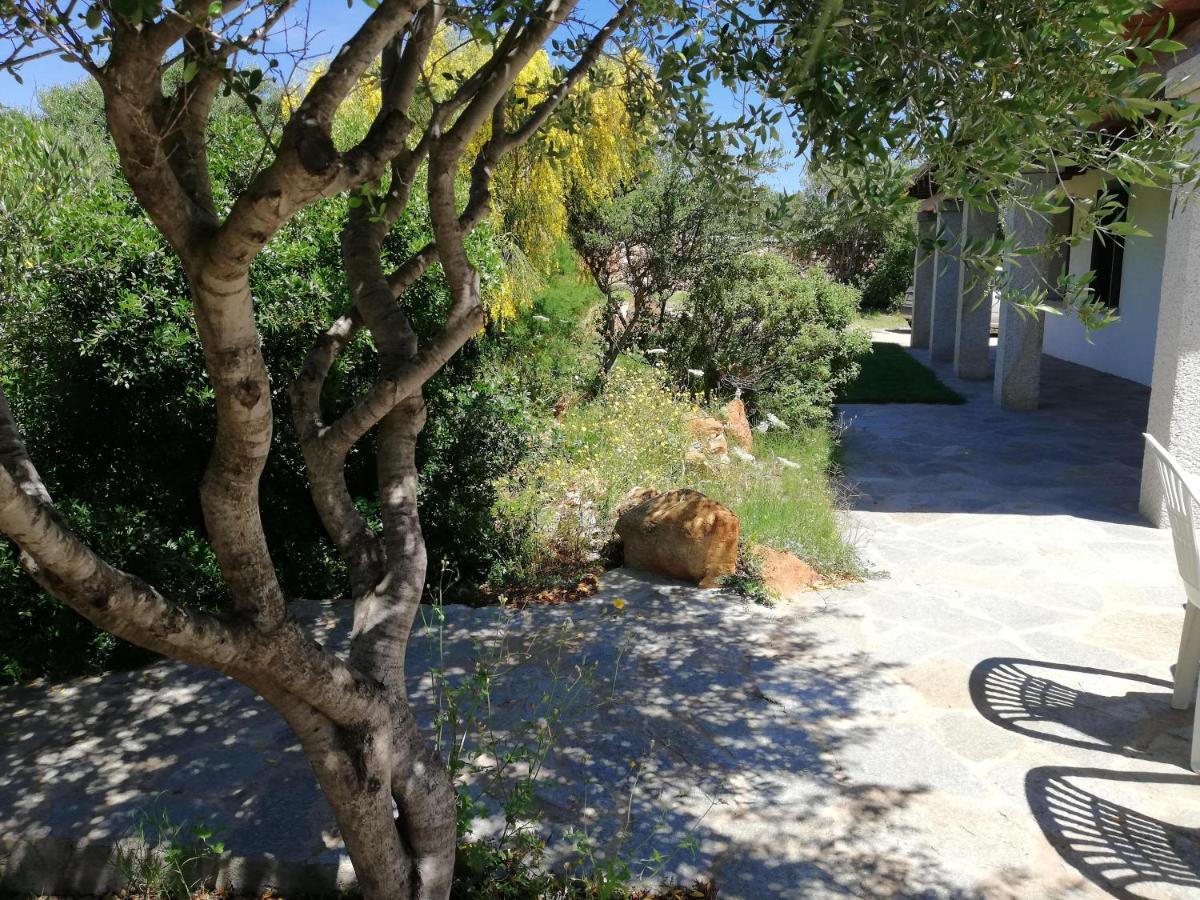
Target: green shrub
{"type": "Point", "coordinates": [781, 337]}
{"type": "Point", "coordinates": [477, 431]}
{"type": "Point", "coordinates": [885, 287]}
{"type": "Point", "coordinates": [552, 346]}
{"type": "Point", "coordinates": [43, 637]}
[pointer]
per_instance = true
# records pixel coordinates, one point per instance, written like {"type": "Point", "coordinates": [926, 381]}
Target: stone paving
{"type": "Point", "coordinates": [985, 717]}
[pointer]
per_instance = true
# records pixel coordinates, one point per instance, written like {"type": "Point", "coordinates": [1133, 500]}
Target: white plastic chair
{"type": "Point", "coordinates": [1181, 492]}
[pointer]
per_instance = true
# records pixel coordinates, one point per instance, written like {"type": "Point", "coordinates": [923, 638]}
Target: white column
{"type": "Point", "coordinates": [1175, 384]}
{"type": "Point", "coordinates": [923, 272]}
{"type": "Point", "coordinates": [975, 302]}
{"type": "Point", "coordinates": [1019, 355]}
{"type": "Point", "coordinates": [948, 267]}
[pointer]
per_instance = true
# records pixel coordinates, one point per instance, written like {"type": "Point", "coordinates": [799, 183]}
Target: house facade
{"type": "Point", "coordinates": [1152, 283]}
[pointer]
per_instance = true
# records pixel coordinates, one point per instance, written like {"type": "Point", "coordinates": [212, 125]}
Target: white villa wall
{"type": "Point", "coordinates": [1125, 348]}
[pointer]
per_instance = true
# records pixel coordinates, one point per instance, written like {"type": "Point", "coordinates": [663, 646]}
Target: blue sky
{"type": "Point", "coordinates": [332, 22]}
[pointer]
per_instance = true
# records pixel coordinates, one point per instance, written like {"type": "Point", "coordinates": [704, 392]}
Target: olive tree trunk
{"type": "Point", "coordinates": [390, 793]}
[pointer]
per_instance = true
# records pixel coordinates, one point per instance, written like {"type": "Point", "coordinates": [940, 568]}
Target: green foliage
{"type": "Point", "coordinates": [165, 860]}
{"type": "Point", "coordinates": [982, 90]}
{"type": "Point", "coordinates": [791, 497]}
{"type": "Point", "coordinates": [42, 165]}
{"type": "Point", "coordinates": [647, 244]}
{"type": "Point", "coordinates": [44, 637]}
{"type": "Point", "coordinates": [885, 287]}
{"type": "Point", "coordinates": [871, 250]}
{"type": "Point", "coordinates": [849, 243]}
{"type": "Point", "coordinates": [480, 426]}
{"type": "Point", "coordinates": [105, 375]}
{"type": "Point", "coordinates": [780, 336]}
{"type": "Point", "coordinates": [552, 345]}
{"type": "Point", "coordinates": [747, 581]}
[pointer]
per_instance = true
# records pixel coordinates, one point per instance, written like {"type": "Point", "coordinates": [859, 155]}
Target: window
{"type": "Point", "coordinates": [1108, 253]}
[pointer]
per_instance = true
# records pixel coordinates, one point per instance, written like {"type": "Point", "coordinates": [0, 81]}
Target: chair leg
{"type": "Point", "coordinates": [1187, 666]}
{"type": "Point", "coordinates": [1196, 741]}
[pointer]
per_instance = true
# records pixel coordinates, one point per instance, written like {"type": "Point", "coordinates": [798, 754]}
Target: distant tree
{"type": "Point", "coordinates": [849, 242]}
{"type": "Point", "coordinates": [651, 242]}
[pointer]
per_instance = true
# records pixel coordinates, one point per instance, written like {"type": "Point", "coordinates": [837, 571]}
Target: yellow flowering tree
{"type": "Point", "coordinates": [597, 143]}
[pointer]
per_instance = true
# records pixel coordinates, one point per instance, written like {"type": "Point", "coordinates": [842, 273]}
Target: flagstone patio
{"type": "Point", "coordinates": [986, 716]}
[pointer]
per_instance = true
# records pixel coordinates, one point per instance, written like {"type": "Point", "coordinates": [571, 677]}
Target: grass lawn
{"type": "Point", "coordinates": [889, 375]}
{"type": "Point", "coordinates": [881, 321]}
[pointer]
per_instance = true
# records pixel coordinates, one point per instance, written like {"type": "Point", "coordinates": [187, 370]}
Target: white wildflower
{"type": "Point", "coordinates": [762, 426]}
{"type": "Point", "coordinates": [787, 463]}
{"type": "Point", "coordinates": [538, 318]}
{"type": "Point", "coordinates": [657, 351]}
{"type": "Point", "coordinates": [777, 422]}
{"type": "Point", "coordinates": [742, 454]}
{"type": "Point", "coordinates": [696, 373]}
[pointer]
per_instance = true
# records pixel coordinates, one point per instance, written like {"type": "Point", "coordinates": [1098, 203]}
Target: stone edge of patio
{"type": "Point", "coordinates": [50, 866]}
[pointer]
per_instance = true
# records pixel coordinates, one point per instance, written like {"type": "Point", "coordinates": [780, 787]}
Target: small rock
{"type": "Point", "coordinates": [705, 428]}
{"type": "Point", "coordinates": [682, 534]}
{"type": "Point", "coordinates": [737, 425]}
{"type": "Point", "coordinates": [784, 573]}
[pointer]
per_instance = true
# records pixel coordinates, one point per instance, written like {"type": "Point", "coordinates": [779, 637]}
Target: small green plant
{"type": "Point", "coordinates": [163, 859]}
{"type": "Point", "coordinates": [747, 581]}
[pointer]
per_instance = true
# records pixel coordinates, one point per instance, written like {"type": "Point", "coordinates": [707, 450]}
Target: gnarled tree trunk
{"type": "Point", "coordinates": [391, 795]}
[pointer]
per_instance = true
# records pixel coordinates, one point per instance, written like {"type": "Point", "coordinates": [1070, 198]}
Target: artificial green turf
{"type": "Point", "coordinates": [889, 375]}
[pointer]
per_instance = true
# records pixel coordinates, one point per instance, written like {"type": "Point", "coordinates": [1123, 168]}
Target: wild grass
{"type": "Point", "coordinates": [550, 343]}
{"type": "Point", "coordinates": [878, 320]}
{"type": "Point", "coordinates": [565, 500]}
{"type": "Point", "coordinates": [791, 508]}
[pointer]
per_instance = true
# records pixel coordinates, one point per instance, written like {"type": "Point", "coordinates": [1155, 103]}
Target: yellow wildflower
{"type": "Point", "coordinates": [619, 602]}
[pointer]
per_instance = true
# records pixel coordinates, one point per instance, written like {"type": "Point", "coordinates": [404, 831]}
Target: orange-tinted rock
{"type": "Point", "coordinates": [737, 425]}
{"type": "Point", "coordinates": [785, 574]}
{"type": "Point", "coordinates": [682, 534]}
{"type": "Point", "coordinates": [705, 428]}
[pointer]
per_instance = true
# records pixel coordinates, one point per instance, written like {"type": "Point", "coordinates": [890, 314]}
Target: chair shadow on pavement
{"type": "Point", "coordinates": [1115, 847]}
{"type": "Point", "coordinates": [1112, 826]}
{"type": "Point", "coordinates": [1020, 695]}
